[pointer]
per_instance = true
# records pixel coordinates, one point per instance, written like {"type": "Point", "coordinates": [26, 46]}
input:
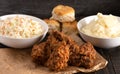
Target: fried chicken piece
{"type": "Point", "coordinates": [75, 56]}
{"type": "Point", "coordinates": [59, 36]}
{"type": "Point", "coordinates": [79, 55]}
{"type": "Point", "coordinates": [83, 55]}
{"type": "Point", "coordinates": [88, 55]}
{"type": "Point", "coordinates": [59, 51]}
{"type": "Point", "coordinates": [59, 57]}
{"type": "Point", "coordinates": [41, 52]}
{"type": "Point", "coordinates": [53, 53]}
{"type": "Point", "coordinates": [38, 53]}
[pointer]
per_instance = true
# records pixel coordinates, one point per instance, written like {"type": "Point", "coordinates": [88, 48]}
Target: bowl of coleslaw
{"type": "Point", "coordinates": [21, 31]}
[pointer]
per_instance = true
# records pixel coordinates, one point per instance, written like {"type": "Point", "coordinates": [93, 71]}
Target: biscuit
{"type": "Point", "coordinates": [69, 27]}
{"type": "Point", "coordinates": [63, 13]}
{"type": "Point", "coordinates": [52, 24]}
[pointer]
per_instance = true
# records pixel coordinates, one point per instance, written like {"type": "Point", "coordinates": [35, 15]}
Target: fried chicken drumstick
{"type": "Point", "coordinates": [59, 51]}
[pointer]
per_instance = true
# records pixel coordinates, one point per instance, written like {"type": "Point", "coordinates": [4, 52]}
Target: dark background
{"type": "Point", "coordinates": [43, 8]}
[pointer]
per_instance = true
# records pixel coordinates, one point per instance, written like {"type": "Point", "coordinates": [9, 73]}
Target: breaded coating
{"type": "Point", "coordinates": [53, 53]}
{"type": "Point", "coordinates": [83, 55]}
{"type": "Point", "coordinates": [59, 51]}
{"type": "Point", "coordinates": [59, 36]}
{"type": "Point", "coordinates": [75, 55]}
{"type": "Point", "coordinates": [38, 53]}
{"type": "Point", "coordinates": [88, 55]}
{"type": "Point", "coordinates": [59, 57]}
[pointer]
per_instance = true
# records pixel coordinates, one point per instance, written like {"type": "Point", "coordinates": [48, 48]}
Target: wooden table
{"type": "Point", "coordinates": [43, 8]}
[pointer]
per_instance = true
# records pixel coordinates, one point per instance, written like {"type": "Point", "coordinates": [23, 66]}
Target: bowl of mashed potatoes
{"type": "Point", "coordinates": [101, 30]}
{"type": "Point", "coordinates": [21, 31]}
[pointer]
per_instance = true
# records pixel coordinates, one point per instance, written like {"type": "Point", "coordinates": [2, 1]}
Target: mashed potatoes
{"type": "Point", "coordinates": [105, 26]}
{"type": "Point", "coordinates": [20, 27]}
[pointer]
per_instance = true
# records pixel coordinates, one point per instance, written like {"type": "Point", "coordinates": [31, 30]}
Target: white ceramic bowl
{"type": "Point", "coordinates": [96, 41]}
{"type": "Point", "coordinates": [25, 42]}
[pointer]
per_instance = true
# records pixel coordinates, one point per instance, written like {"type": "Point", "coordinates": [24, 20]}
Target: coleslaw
{"type": "Point", "coordinates": [20, 27]}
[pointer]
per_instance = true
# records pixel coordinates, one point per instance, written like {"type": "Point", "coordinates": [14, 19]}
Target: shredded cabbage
{"type": "Point", "coordinates": [20, 27]}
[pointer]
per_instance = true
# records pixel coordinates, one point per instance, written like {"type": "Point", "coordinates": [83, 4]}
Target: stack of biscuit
{"type": "Point", "coordinates": [63, 19]}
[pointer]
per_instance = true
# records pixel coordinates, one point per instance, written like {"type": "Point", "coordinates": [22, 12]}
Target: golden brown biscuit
{"type": "Point", "coordinates": [53, 24]}
{"type": "Point", "coordinates": [63, 13]}
{"type": "Point", "coordinates": [69, 27]}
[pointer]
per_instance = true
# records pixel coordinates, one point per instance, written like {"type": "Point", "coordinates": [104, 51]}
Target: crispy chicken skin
{"type": "Point", "coordinates": [59, 51]}
{"type": "Point", "coordinates": [75, 56]}
{"type": "Point", "coordinates": [59, 57]}
{"type": "Point", "coordinates": [38, 53]}
{"type": "Point", "coordinates": [83, 55]}
{"type": "Point", "coordinates": [88, 55]}
{"type": "Point", "coordinates": [53, 53]}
